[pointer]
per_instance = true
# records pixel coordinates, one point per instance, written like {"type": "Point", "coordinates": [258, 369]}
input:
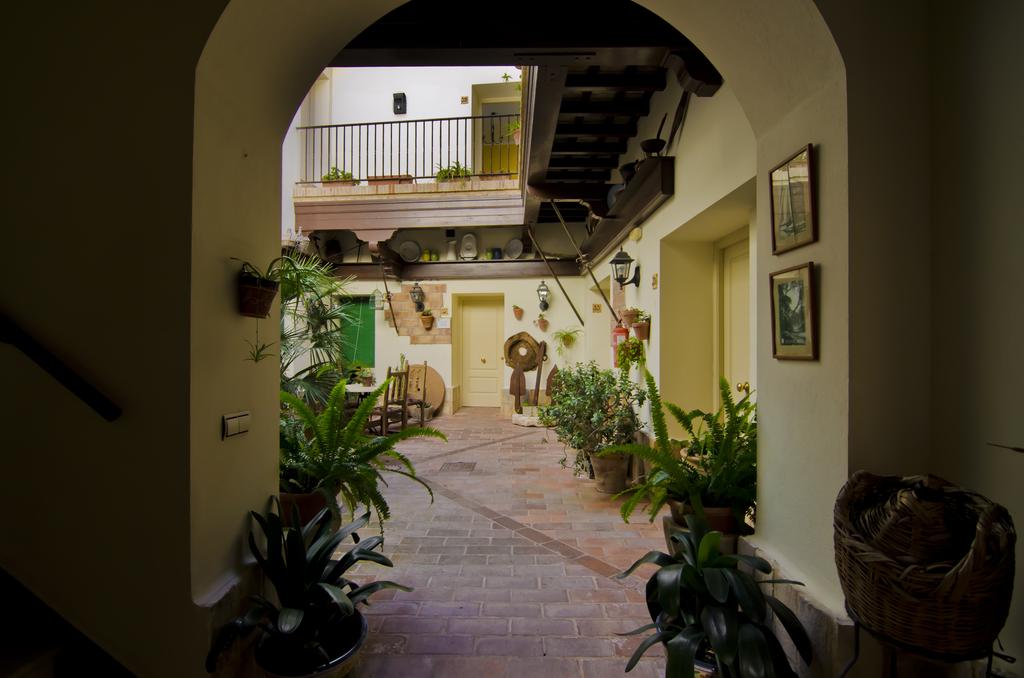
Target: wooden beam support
{"type": "Point", "coordinates": [547, 191]}
{"type": "Point", "coordinates": [695, 73]}
{"type": "Point", "coordinates": [653, 184]}
{"type": "Point", "coordinates": [615, 148]}
{"type": "Point", "coordinates": [630, 107]}
{"type": "Point", "coordinates": [578, 175]}
{"type": "Point", "coordinates": [496, 269]}
{"type": "Point", "coordinates": [583, 129]}
{"type": "Point", "coordinates": [637, 81]}
{"type": "Point", "coordinates": [583, 162]}
{"type": "Point", "coordinates": [545, 96]}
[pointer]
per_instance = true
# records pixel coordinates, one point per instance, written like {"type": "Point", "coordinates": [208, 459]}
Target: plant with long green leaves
{"type": "Point", "coordinates": [454, 171]}
{"type": "Point", "coordinates": [314, 598]}
{"type": "Point", "coordinates": [719, 467]}
{"type": "Point", "coordinates": [592, 409]}
{"type": "Point", "coordinates": [330, 453]}
{"type": "Point", "coordinates": [700, 599]}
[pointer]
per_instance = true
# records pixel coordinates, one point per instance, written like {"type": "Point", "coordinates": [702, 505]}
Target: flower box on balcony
{"type": "Point", "coordinates": [390, 179]}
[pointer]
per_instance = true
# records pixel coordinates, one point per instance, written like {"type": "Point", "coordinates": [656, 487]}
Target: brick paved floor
{"type": "Point", "coordinates": [511, 564]}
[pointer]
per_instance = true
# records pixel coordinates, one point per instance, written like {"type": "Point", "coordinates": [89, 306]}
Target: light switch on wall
{"type": "Point", "coordinates": [234, 424]}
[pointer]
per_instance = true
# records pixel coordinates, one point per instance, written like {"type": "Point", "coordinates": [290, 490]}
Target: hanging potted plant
{"type": "Point", "coordinates": [628, 353]}
{"type": "Point", "coordinates": [642, 325]}
{"type": "Point", "coordinates": [515, 131]}
{"type": "Point", "coordinates": [629, 315]}
{"type": "Point", "coordinates": [591, 410]}
{"type": "Point", "coordinates": [541, 322]}
{"type": "Point", "coordinates": [314, 628]}
{"type": "Point", "coordinates": [427, 318]}
{"type": "Point", "coordinates": [517, 311]}
{"type": "Point", "coordinates": [565, 340]}
{"type": "Point", "coordinates": [257, 289]}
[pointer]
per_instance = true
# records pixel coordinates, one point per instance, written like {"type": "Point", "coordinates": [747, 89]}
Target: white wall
{"type": "Point", "coordinates": [521, 291]}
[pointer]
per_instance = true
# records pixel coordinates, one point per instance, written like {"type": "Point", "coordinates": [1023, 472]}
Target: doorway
{"type": "Point", "coordinates": [480, 327]}
{"type": "Point", "coordinates": [734, 315]}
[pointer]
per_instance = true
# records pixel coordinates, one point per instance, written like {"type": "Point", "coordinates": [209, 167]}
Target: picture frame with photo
{"type": "Point", "coordinates": [794, 320]}
{"type": "Point", "coordinates": [793, 203]}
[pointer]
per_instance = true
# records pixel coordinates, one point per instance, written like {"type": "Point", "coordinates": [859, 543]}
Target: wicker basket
{"type": "Point", "coordinates": [924, 563]}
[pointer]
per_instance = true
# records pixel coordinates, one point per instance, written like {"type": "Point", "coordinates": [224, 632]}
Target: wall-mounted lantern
{"type": "Point", "coordinates": [543, 293]}
{"type": "Point", "coordinates": [417, 296]}
{"type": "Point", "coordinates": [620, 270]}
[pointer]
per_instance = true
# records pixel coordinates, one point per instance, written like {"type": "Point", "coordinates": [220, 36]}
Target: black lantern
{"type": "Point", "coordinates": [543, 292]}
{"type": "Point", "coordinates": [417, 296]}
{"type": "Point", "coordinates": [620, 270]}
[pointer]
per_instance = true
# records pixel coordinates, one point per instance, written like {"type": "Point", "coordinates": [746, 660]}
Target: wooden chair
{"type": "Point", "coordinates": [418, 389]}
{"type": "Point", "coordinates": [395, 407]}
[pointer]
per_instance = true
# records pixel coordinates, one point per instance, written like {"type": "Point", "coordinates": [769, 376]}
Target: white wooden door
{"type": "Point", "coordinates": [482, 368]}
{"type": "Point", "coordinates": [736, 314]}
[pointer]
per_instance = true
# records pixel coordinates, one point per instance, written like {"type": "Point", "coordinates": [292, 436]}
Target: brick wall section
{"type": "Point", "coordinates": [408, 320]}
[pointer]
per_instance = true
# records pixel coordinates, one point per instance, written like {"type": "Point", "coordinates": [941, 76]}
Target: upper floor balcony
{"type": "Point", "coordinates": [381, 176]}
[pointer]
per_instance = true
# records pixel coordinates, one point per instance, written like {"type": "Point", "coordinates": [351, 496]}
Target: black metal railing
{"type": "Point", "coordinates": [411, 150]}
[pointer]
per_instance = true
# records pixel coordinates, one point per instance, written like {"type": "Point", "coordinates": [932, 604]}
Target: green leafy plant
{"type": "Point", "coordinates": [506, 77]}
{"type": "Point", "coordinates": [513, 127]}
{"type": "Point", "coordinates": [334, 174]}
{"type": "Point", "coordinates": [719, 467]}
{"type": "Point", "coordinates": [427, 312]}
{"type": "Point", "coordinates": [331, 454]}
{"type": "Point", "coordinates": [630, 352]}
{"type": "Point", "coordinates": [700, 599]}
{"type": "Point", "coordinates": [314, 619]}
{"type": "Point", "coordinates": [592, 409]}
{"type": "Point", "coordinates": [565, 339]}
{"type": "Point", "coordinates": [642, 316]}
{"type": "Point", "coordinates": [454, 171]}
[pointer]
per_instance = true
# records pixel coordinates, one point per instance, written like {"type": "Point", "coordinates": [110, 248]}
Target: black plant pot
{"type": "Point", "coordinates": [343, 642]}
{"type": "Point", "coordinates": [255, 295]}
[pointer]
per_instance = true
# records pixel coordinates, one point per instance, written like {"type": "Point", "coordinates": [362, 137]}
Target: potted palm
{"type": "Point", "coordinates": [593, 409]}
{"type": "Point", "coordinates": [327, 454]}
{"type": "Point", "coordinates": [713, 616]}
{"type": "Point", "coordinates": [715, 470]}
{"type": "Point", "coordinates": [313, 627]}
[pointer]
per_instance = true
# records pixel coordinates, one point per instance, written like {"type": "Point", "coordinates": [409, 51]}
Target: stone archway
{"type": "Point", "coordinates": [787, 73]}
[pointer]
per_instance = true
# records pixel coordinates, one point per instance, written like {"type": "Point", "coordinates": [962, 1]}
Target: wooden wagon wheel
{"type": "Point", "coordinates": [522, 351]}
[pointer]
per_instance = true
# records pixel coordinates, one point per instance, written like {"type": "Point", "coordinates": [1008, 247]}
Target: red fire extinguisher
{"type": "Point", "coordinates": [619, 335]}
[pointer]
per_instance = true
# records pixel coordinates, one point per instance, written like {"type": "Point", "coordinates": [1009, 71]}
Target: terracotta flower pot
{"type": "Point", "coordinates": [427, 320]}
{"type": "Point", "coordinates": [610, 472]}
{"type": "Point", "coordinates": [255, 295]}
{"type": "Point", "coordinates": [308, 504]}
{"type": "Point", "coordinates": [628, 317]}
{"type": "Point", "coordinates": [542, 323]}
{"type": "Point", "coordinates": [642, 330]}
{"type": "Point", "coordinates": [517, 312]}
{"type": "Point", "coordinates": [719, 518]}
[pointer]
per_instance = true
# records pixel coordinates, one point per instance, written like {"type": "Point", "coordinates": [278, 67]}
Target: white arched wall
{"type": "Point", "coordinates": [783, 68]}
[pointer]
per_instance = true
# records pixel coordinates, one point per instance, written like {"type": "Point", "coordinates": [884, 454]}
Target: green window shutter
{"type": "Point", "coordinates": [359, 334]}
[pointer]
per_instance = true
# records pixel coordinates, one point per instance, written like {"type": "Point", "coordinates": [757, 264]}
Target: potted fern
{"type": "Point", "coordinates": [711, 615]}
{"type": "Point", "coordinates": [327, 454]}
{"type": "Point", "coordinates": [714, 473]}
{"type": "Point", "coordinates": [313, 627]}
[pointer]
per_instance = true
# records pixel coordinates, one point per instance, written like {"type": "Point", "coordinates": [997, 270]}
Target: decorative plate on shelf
{"type": "Point", "coordinates": [514, 248]}
{"type": "Point", "coordinates": [409, 251]}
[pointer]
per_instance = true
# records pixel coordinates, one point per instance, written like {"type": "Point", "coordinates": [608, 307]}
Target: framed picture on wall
{"type": "Point", "coordinates": [794, 325]}
{"type": "Point", "coordinates": [793, 206]}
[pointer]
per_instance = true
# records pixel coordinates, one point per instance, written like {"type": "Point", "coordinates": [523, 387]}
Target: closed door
{"type": "Point", "coordinates": [736, 314]}
{"type": "Point", "coordinates": [482, 368]}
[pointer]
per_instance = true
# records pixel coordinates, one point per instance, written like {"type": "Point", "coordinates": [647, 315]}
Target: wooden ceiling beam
{"type": "Point", "coordinates": [585, 106]}
{"type": "Point", "coordinates": [585, 192]}
{"type": "Point", "coordinates": [636, 81]}
{"type": "Point", "coordinates": [589, 148]}
{"type": "Point", "coordinates": [578, 175]}
{"type": "Point", "coordinates": [578, 161]}
{"type": "Point", "coordinates": [583, 129]}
